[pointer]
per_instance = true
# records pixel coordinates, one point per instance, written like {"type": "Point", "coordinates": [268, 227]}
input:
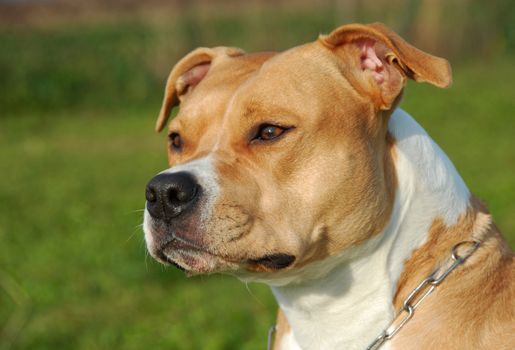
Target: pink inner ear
{"type": "Point", "coordinates": [195, 75]}
{"type": "Point", "coordinates": [370, 61]}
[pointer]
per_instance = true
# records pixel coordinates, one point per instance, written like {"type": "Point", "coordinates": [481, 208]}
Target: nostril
{"type": "Point", "coordinates": [182, 195]}
{"type": "Point", "coordinates": [150, 195]}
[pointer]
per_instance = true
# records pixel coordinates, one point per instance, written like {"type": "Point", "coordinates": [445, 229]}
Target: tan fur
{"type": "Point", "coordinates": [446, 319]}
{"type": "Point", "coordinates": [237, 95]}
{"type": "Point", "coordinates": [329, 183]}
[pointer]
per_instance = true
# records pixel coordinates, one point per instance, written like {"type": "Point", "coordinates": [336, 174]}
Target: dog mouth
{"type": "Point", "coordinates": [272, 262]}
{"type": "Point", "coordinates": [192, 259]}
{"type": "Point", "coordinates": [177, 266]}
{"type": "Point", "coordinates": [166, 260]}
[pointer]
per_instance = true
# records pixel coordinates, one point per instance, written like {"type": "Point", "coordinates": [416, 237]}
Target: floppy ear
{"type": "Point", "coordinates": [381, 61]}
{"type": "Point", "coordinates": [186, 74]}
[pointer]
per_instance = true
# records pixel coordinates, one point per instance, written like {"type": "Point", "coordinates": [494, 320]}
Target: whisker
{"type": "Point", "coordinates": [252, 294]}
{"type": "Point", "coordinates": [146, 259]}
{"type": "Point", "coordinates": [134, 231]}
{"type": "Point", "coordinates": [134, 211]}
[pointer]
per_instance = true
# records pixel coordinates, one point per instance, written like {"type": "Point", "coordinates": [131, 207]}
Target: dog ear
{"type": "Point", "coordinates": [384, 61]}
{"type": "Point", "coordinates": [186, 74]}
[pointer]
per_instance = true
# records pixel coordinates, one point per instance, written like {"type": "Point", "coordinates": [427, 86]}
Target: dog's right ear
{"type": "Point", "coordinates": [186, 74]}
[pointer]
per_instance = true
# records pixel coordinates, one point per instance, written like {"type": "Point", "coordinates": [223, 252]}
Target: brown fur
{"type": "Point", "coordinates": [446, 319]}
{"type": "Point", "coordinates": [332, 173]}
{"type": "Point", "coordinates": [239, 93]}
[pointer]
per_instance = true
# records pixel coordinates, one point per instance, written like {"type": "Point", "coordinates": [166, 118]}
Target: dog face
{"type": "Point", "coordinates": [279, 160]}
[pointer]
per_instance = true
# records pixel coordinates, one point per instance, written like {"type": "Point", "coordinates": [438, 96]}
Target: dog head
{"type": "Point", "coordinates": [278, 160]}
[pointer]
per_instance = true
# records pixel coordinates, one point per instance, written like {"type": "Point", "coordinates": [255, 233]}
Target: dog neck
{"type": "Point", "coordinates": [349, 304]}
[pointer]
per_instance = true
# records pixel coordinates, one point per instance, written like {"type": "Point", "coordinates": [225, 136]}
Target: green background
{"type": "Point", "coordinates": [80, 89]}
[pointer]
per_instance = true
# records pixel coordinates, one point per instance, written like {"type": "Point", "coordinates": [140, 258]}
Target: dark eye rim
{"type": "Point", "coordinates": [255, 135]}
{"type": "Point", "coordinates": [171, 138]}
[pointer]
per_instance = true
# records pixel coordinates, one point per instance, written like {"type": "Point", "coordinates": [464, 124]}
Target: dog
{"type": "Point", "coordinates": [297, 169]}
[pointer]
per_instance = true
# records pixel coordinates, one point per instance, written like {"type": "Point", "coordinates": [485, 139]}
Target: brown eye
{"type": "Point", "coordinates": [175, 141]}
{"type": "Point", "coordinates": [268, 132]}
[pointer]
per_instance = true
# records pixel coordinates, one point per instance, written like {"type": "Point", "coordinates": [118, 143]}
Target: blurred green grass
{"type": "Point", "coordinates": [112, 64]}
{"type": "Point", "coordinates": [77, 147]}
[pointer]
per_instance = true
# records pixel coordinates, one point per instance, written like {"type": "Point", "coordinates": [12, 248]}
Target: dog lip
{"type": "Point", "coordinates": [167, 260]}
{"type": "Point", "coordinates": [181, 254]}
{"type": "Point", "coordinates": [182, 244]}
{"type": "Point", "coordinates": [273, 261]}
{"type": "Point", "coordinates": [176, 244]}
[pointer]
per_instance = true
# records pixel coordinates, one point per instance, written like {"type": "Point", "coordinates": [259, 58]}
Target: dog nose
{"type": "Point", "coordinates": [170, 194]}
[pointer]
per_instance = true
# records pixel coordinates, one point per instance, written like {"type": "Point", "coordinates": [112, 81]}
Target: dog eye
{"type": "Point", "coordinates": [268, 132]}
{"type": "Point", "coordinates": [175, 141]}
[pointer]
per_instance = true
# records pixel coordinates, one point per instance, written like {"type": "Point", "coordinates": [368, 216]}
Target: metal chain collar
{"type": "Point", "coordinates": [421, 292]}
{"type": "Point", "coordinates": [410, 304]}
{"type": "Point", "coordinates": [270, 339]}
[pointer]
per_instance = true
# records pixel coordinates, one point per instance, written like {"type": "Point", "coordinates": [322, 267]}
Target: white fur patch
{"type": "Point", "coordinates": [426, 169]}
{"type": "Point", "coordinates": [349, 306]}
{"type": "Point", "coordinates": [146, 229]}
{"type": "Point", "coordinates": [288, 342]}
{"type": "Point", "coordinates": [429, 188]}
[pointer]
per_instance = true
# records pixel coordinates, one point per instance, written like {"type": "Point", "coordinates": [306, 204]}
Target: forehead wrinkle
{"type": "Point", "coordinates": [230, 106]}
{"type": "Point", "coordinates": [179, 124]}
{"type": "Point", "coordinates": [252, 107]}
{"type": "Point", "coordinates": [218, 86]}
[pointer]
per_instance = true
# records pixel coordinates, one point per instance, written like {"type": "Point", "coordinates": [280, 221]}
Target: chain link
{"type": "Point", "coordinates": [422, 291]}
{"type": "Point", "coordinates": [270, 340]}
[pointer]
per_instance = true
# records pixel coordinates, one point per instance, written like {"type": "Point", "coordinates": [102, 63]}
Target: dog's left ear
{"type": "Point", "coordinates": [187, 74]}
{"type": "Point", "coordinates": [378, 61]}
